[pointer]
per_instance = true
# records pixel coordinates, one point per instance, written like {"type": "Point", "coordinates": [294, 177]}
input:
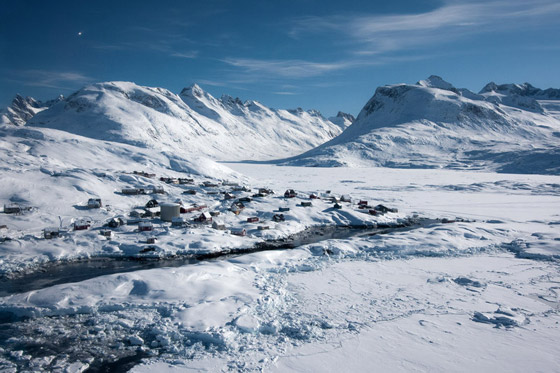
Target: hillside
{"type": "Point", "coordinates": [432, 124]}
{"type": "Point", "coordinates": [193, 122]}
{"type": "Point", "coordinates": [22, 109]}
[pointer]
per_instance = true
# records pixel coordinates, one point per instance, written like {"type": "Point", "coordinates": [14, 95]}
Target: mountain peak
{"type": "Point", "coordinates": [435, 81]}
{"type": "Point", "coordinates": [193, 90]}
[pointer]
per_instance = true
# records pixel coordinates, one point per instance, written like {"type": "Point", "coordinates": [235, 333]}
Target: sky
{"type": "Point", "coordinates": [327, 55]}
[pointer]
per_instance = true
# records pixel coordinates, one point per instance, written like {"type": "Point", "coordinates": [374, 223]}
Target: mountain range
{"type": "Point", "coordinates": [431, 124]}
{"type": "Point", "coordinates": [192, 122]}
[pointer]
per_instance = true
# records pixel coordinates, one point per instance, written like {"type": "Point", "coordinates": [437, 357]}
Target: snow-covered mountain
{"type": "Point", "coordinates": [22, 109]}
{"type": "Point", "coordinates": [193, 122]}
{"type": "Point", "coordinates": [432, 124]}
{"type": "Point", "coordinates": [343, 119]}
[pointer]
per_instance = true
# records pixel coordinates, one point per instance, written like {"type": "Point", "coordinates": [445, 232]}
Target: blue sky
{"type": "Point", "coordinates": [328, 55]}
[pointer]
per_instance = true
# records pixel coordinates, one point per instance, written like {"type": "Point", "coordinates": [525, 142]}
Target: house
{"type": "Point", "coordinates": [313, 196]}
{"type": "Point", "coordinates": [190, 191]}
{"type": "Point", "coordinates": [252, 219]}
{"type": "Point", "coordinates": [384, 209]}
{"type": "Point", "coordinates": [337, 206]}
{"type": "Point", "coordinates": [373, 212]}
{"type": "Point", "coordinates": [208, 184]}
{"type": "Point", "coordinates": [334, 199]}
{"type": "Point", "coordinates": [114, 223]}
{"type": "Point", "coordinates": [245, 199]}
{"type": "Point", "coordinates": [212, 192]}
{"type": "Point", "coordinates": [151, 240]}
{"type": "Point", "coordinates": [290, 193]}
{"type": "Point", "coordinates": [228, 195]}
{"type": "Point", "coordinates": [12, 209]}
{"type": "Point", "coordinates": [241, 189]}
{"type": "Point", "coordinates": [136, 213]}
{"type": "Point", "coordinates": [151, 212]}
{"type": "Point", "coordinates": [230, 183]}
{"type": "Point", "coordinates": [238, 232]}
{"type": "Point", "coordinates": [158, 190]}
{"type": "Point", "coordinates": [283, 209]}
{"type": "Point", "coordinates": [133, 221]}
{"type": "Point", "coordinates": [345, 198]}
{"type": "Point", "coordinates": [106, 233]}
{"type": "Point", "coordinates": [145, 226]}
{"type": "Point", "coordinates": [265, 191]}
{"type": "Point", "coordinates": [237, 207]}
{"type": "Point", "coordinates": [145, 174]}
{"type": "Point", "coordinates": [363, 204]}
{"type": "Point", "coordinates": [187, 209]}
{"type": "Point", "coordinates": [82, 224]}
{"type": "Point", "coordinates": [214, 213]}
{"type": "Point", "coordinates": [133, 191]}
{"type": "Point", "coordinates": [306, 204]}
{"type": "Point", "coordinates": [94, 203]}
{"type": "Point", "coordinates": [263, 227]}
{"type": "Point", "coordinates": [184, 181]}
{"type": "Point", "coordinates": [205, 217]}
{"type": "Point", "coordinates": [152, 203]}
{"type": "Point", "coordinates": [278, 217]}
{"type": "Point", "coordinates": [49, 233]}
{"type": "Point", "coordinates": [178, 222]}
{"type": "Point", "coordinates": [219, 226]}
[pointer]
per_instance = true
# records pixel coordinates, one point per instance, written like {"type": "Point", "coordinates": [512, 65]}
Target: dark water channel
{"type": "Point", "coordinates": [80, 270]}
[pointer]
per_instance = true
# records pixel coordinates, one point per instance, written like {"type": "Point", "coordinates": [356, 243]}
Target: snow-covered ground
{"type": "Point", "coordinates": [479, 294]}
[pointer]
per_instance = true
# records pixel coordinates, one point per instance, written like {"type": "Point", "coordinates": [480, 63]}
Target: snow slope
{"type": "Point", "coordinates": [193, 122]}
{"type": "Point", "coordinates": [432, 124]}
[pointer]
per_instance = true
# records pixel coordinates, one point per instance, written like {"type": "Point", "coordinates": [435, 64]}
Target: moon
{"type": "Point", "coordinates": [79, 33]}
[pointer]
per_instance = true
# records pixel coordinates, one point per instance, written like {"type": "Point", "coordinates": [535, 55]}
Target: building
{"type": "Point", "coordinates": [145, 226]}
{"type": "Point", "coordinates": [169, 211]}
{"type": "Point", "coordinates": [205, 217]}
{"type": "Point", "coordinates": [49, 233]}
{"type": "Point", "coordinates": [82, 224]}
{"type": "Point", "coordinates": [238, 232]}
{"type": "Point", "coordinates": [252, 219]}
{"type": "Point", "coordinates": [218, 225]}
{"type": "Point", "coordinates": [94, 203]}
{"type": "Point", "coordinates": [290, 193]}
{"type": "Point", "coordinates": [12, 209]}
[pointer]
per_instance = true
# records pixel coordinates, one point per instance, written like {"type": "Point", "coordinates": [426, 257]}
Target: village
{"type": "Point", "coordinates": [160, 216]}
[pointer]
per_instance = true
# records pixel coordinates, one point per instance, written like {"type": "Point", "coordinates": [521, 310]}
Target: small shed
{"type": "Point", "coordinates": [190, 191]}
{"type": "Point", "coordinates": [145, 226]}
{"type": "Point", "coordinates": [314, 196]}
{"type": "Point", "coordinates": [252, 219]}
{"type": "Point", "coordinates": [158, 190]}
{"type": "Point", "coordinates": [337, 206]}
{"type": "Point", "coordinates": [245, 199]}
{"type": "Point", "coordinates": [106, 233]}
{"type": "Point", "coordinates": [170, 211]}
{"type": "Point", "coordinates": [133, 191]}
{"type": "Point", "coordinates": [228, 195]}
{"type": "Point", "coordinates": [237, 207]}
{"type": "Point", "coordinates": [151, 240]}
{"type": "Point", "coordinates": [283, 209]}
{"type": "Point", "coordinates": [306, 204]}
{"type": "Point", "coordinates": [263, 227]}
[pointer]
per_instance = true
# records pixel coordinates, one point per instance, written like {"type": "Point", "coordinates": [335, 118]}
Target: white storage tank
{"type": "Point", "coordinates": [169, 211]}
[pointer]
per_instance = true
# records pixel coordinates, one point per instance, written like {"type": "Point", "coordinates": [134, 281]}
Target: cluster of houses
{"type": "Point", "coordinates": [153, 213]}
